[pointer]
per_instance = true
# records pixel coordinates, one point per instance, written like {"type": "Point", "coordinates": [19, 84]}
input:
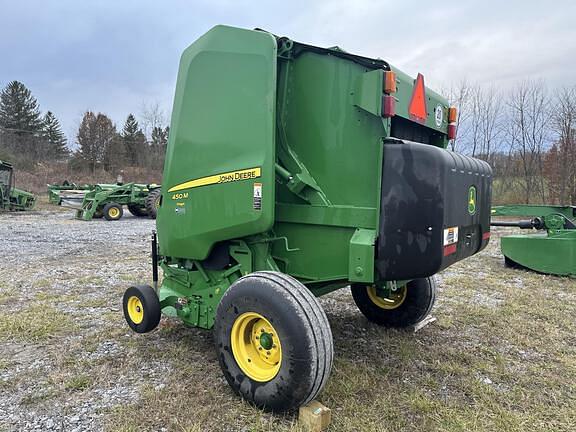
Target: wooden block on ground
{"type": "Point", "coordinates": [314, 416]}
{"type": "Point", "coordinates": [420, 325]}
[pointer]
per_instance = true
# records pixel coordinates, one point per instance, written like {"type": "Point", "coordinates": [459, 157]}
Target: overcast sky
{"type": "Point", "coordinates": [114, 56]}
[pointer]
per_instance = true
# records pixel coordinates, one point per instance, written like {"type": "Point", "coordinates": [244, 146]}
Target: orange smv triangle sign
{"type": "Point", "coordinates": [417, 107]}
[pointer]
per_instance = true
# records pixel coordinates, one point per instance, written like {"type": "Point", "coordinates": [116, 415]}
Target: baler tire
{"type": "Point", "coordinates": [304, 340]}
{"type": "Point", "coordinates": [152, 202]}
{"type": "Point", "coordinates": [145, 298]}
{"type": "Point", "coordinates": [138, 210]}
{"type": "Point", "coordinates": [113, 211]}
{"type": "Point", "coordinates": [417, 304]}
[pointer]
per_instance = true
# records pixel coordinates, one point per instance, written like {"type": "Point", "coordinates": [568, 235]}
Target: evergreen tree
{"type": "Point", "coordinates": [19, 110]}
{"type": "Point", "coordinates": [52, 132]}
{"type": "Point", "coordinates": [134, 141]}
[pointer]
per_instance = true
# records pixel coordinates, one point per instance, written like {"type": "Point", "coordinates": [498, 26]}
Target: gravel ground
{"type": "Point", "coordinates": [75, 271]}
{"type": "Point", "coordinates": [68, 361]}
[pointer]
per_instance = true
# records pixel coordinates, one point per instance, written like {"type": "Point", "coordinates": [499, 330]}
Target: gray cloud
{"type": "Point", "coordinates": [113, 56]}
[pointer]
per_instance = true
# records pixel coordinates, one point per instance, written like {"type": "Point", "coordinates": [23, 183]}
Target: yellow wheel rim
{"type": "Point", "coordinates": [135, 310]}
{"type": "Point", "coordinates": [157, 202]}
{"type": "Point", "coordinates": [113, 212]}
{"type": "Point", "coordinates": [256, 346]}
{"type": "Point", "coordinates": [395, 300]}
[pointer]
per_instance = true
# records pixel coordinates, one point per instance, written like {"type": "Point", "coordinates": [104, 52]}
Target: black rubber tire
{"type": "Point", "coordinates": [420, 297]}
{"type": "Point", "coordinates": [110, 206]}
{"type": "Point", "coordinates": [150, 306]}
{"type": "Point", "coordinates": [137, 210]}
{"type": "Point", "coordinates": [152, 202]}
{"type": "Point", "coordinates": [98, 214]}
{"type": "Point", "coordinates": [303, 330]}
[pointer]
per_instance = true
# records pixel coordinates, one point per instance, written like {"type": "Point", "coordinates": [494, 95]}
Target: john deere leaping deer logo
{"type": "Point", "coordinates": [472, 200]}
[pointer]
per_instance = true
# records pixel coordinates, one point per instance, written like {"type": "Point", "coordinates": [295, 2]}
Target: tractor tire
{"type": "Point", "coordinates": [141, 308]}
{"type": "Point", "coordinates": [410, 305]}
{"type": "Point", "coordinates": [113, 211]}
{"type": "Point", "coordinates": [153, 202]}
{"type": "Point", "coordinates": [137, 210]}
{"type": "Point", "coordinates": [273, 341]}
{"type": "Point", "coordinates": [98, 214]}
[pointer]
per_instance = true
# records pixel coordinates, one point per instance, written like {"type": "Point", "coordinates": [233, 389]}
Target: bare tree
{"type": "Point", "coordinates": [528, 133]}
{"type": "Point", "coordinates": [151, 117]}
{"type": "Point", "coordinates": [561, 159]}
{"type": "Point", "coordinates": [459, 97]}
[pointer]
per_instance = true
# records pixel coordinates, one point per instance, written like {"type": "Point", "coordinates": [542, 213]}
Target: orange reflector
{"type": "Point", "coordinates": [417, 107]}
{"type": "Point", "coordinates": [389, 82]}
{"type": "Point", "coordinates": [452, 114]}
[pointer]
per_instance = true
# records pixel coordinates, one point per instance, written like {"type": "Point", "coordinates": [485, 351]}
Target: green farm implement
{"type": "Point", "coordinates": [293, 171]}
{"type": "Point", "coordinates": [11, 198]}
{"type": "Point", "coordinates": [57, 191]}
{"type": "Point", "coordinates": [552, 250]}
{"type": "Point", "coordinates": [108, 200]}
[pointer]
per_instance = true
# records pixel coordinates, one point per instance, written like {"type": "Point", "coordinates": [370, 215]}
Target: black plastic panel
{"type": "Point", "coordinates": [425, 191]}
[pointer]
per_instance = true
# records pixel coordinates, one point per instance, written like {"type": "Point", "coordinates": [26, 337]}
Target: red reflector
{"type": "Point", "coordinates": [486, 235]}
{"type": "Point", "coordinates": [417, 107]}
{"type": "Point", "coordinates": [449, 250]}
{"type": "Point", "coordinates": [388, 106]}
{"type": "Point", "coordinates": [451, 131]}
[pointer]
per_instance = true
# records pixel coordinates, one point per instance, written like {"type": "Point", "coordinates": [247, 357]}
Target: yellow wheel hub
{"type": "Point", "coordinates": [256, 346]}
{"type": "Point", "coordinates": [135, 310]}
{"type": "Point", "coordinates": [113, 212]}
{"type": "Point", "coordinates": [392, 302]}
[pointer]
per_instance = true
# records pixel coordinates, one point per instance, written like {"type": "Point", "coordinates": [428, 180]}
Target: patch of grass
{"type": "Point", "coordinates": [6, 294]}
{"type": "Point", "coordinates": [78, 382]}
{"type": "Point", "coordinates": [35, 323]}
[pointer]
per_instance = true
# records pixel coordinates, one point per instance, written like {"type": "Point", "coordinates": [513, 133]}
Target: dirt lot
{"type": "Point", "coordinates": [501, 355]}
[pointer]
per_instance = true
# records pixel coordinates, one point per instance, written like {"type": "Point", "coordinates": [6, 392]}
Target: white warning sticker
{"type": "Point", "coordinates": [450, 236]}
{"type": "Point", "coordinates": [257, 198]}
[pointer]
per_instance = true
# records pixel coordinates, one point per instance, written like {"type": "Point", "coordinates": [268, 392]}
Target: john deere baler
{"type": "Point", "coordinates": [293, 171]}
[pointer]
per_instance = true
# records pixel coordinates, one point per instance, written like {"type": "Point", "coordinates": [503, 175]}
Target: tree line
{"type": "Point", "coordinates": [528, 135]}
{"type": "Point", "coordinates": [29, 138]}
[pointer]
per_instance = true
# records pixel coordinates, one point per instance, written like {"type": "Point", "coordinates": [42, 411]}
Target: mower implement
{"type": "Point", "coordinates": [11, 198]}
{"type": "Point", "coordinates": [292, 171]}
{"type": "Point", "coordinates": [57, 191]}
{"type": "Point", "coordinates": [551, 250]}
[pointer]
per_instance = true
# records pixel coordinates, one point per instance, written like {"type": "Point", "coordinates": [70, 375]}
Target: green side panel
{"type": "Point", "coordinates": [328, 116]}
{"type": "Point", "coordinates": [404, 91]}
{"type": "Point", "coordinates": [554, 254]}
{"type": "Point", "coordinates": [368, 92]}
{"type": "Point", "coordinates": [223, 121]}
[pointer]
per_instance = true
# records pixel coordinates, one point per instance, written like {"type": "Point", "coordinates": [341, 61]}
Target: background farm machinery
{"type": "Point", "coordinates": [552, 249]}
{"type": "Point", "coordinates": [11, 198]}
{"type": "Point", "coordinates": [107, 200]}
